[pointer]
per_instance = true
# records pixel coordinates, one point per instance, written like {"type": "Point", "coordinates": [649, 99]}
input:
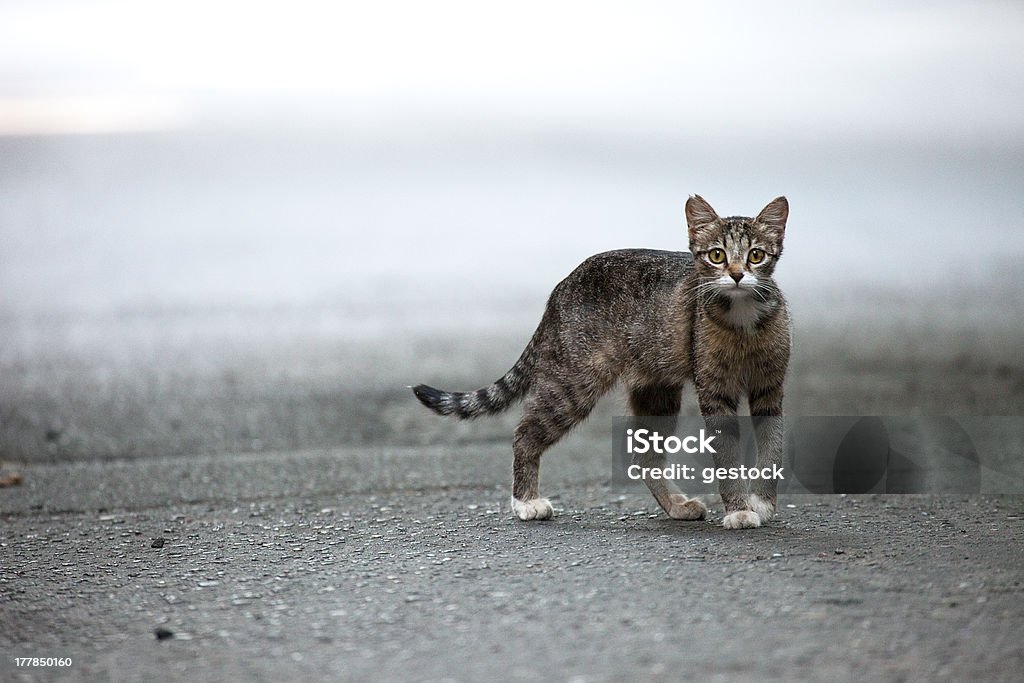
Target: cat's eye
{"type": "Point", "coordinates": [755, 256]}
{"type": "Point", "coordinates": [716, 256]}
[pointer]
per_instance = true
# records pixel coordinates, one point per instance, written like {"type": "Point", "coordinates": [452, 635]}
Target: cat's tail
{"type": "Point", "coordinates": [490, 400]}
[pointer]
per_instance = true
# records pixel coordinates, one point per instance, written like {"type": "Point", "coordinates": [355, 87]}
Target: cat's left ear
{"type": "Point", "coordinates": [774, 215]}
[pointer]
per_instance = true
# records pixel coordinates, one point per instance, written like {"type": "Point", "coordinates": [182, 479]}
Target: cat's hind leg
{"type": "Point", "coordinates": [663, 401]}
{"type": "Point", "coordinates": [552, 409]}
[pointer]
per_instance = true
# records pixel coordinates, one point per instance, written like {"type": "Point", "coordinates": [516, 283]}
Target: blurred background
{"type": "Point", "coordinates": [234, 227]}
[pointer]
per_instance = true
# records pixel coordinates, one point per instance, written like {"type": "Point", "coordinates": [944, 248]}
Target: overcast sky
{"type": "Point", "coordinates": [930, 70]}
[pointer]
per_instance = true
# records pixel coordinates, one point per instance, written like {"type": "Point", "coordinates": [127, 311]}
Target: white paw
{"type": "Point", "coordinates": [764, 509]}
{"type": "Point", "coordinates": [681, 507]}
{"type": "Point", "coordinates": [742, 519]}
{"type": "Point", "coordinates": [536, 508]}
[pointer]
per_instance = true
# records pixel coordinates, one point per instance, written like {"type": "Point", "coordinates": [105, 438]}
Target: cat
{"type": "Point", "coordinates": [654, 321]}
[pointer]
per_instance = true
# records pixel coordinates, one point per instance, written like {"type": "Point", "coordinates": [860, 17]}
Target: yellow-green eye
{"type": "Point", "coordinates": [716, 256]}
{"type": "Point", "coordinates": [755, 256]}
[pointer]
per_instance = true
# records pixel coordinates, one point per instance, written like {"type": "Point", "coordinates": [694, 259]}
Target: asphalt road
{"type": "Point", "coordinates": [289, 566]}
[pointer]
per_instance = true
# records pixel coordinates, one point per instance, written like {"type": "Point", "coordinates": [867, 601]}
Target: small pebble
{"type": "Point", "coordinates": [162, 633]}
{"type": "Point", "coordinates": [157, 543]}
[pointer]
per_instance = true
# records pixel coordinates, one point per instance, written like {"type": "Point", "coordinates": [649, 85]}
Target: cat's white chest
{"type": "Point", "coordinates": [744, 313]}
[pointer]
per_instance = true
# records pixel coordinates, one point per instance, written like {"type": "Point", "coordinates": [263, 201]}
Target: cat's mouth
{"type": "Point", "coordinates": [731, 288]}
{"type": "Point", "coordinates": [736, 291]}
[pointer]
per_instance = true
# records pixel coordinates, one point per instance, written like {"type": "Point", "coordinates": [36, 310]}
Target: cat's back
{"type": "Point", "coordinates": [626, 274]}
{"type": "Point", "coordinates": [654, 259]}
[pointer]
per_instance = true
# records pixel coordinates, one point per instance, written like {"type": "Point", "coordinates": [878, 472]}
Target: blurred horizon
{"type": "Point", "coordinates": [217, 154]}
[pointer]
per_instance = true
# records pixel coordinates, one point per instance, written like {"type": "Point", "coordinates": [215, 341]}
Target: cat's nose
{"type": "Point", "coordinates": [737, 277]}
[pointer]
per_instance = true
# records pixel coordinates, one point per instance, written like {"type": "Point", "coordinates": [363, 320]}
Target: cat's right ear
{"type": "Point", "coordinates": [698, 214]}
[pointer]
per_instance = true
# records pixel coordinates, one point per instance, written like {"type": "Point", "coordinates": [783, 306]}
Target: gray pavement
{"type": "Point", "coordinates": [383, 564]}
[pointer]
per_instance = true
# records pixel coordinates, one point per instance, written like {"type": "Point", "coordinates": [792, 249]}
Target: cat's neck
{"type": "Point", "coordinates": [744, 315]}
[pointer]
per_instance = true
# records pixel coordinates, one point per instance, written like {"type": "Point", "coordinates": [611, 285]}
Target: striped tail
{"type": "Point", "coordinates": [489, 400]}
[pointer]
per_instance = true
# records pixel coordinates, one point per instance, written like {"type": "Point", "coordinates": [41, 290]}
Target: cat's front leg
{"type": "Point", "coordinates": [766, 410]}
{"type": "Point", "coordinates": [763, 490]}
{"type": "Point", "coordinates": [739, 514]}
{"type": "Point", "coordinates": [719, 411]}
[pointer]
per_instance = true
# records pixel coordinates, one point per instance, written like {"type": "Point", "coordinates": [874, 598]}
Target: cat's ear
{"type": "Point", "coordinates": [775, 214]}
{"type": "Point", "coordinates": [698, 213]}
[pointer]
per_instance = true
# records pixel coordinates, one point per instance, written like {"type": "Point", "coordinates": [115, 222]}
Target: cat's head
{"type": "Point", "coordinates": [736, 256]}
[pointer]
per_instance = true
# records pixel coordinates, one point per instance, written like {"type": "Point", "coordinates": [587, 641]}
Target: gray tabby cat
{"type": "Point", "coordinates": [655, 320]}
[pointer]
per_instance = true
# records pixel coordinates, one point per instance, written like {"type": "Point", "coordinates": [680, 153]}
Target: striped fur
{"type": "Point", "coordinates": [655, 321]}
{"type": "Point", "coordinates": [495, 398]}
